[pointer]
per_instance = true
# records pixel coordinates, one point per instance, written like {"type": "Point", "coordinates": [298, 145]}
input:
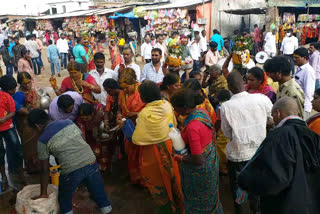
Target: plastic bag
{"type": "Point", "coordinates": [25, 204]}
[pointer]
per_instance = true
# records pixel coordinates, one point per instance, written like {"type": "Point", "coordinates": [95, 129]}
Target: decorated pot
{"type": "Point", "coordinates": [173, 61]}
{"type": "Point", "coordinates": [241, 57]}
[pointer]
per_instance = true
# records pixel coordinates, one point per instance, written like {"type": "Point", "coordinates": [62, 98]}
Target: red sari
{"type": "Point", "coordinates": [66, 85]}
{"type": "Point", "coordinates": [132, 103]}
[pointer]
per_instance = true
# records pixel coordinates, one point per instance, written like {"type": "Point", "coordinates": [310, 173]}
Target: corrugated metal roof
{"type": "Point", "coordinates": [177, 4]}
{"type": "Point", "coordinates": [112, 10]}
{"type": "Point", "coordinates": [99, 11]}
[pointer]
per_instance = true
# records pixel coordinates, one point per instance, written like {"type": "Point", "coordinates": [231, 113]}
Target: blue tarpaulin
{"type": "Point", "coordinates": [128, 15]}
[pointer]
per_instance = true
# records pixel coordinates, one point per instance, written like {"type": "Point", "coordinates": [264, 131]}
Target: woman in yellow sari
{"type": "Point", "coordinates": [130, 105]}
{"type": "Point", "coordinates": [159, 170]}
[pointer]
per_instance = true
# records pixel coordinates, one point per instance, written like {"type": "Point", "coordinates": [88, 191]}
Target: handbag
{"type": "Point", "coordinates": [128, 129]}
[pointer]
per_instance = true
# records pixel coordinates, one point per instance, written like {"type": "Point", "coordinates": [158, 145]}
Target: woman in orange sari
{"type": "Point", "coordinates": [314, 121]}
{"type": "Point", "coordinates": [130, 105]}
{"type": "Point", "coordinates": [115, 55]}
{"type": "Point", "coordinates": [159, 170]}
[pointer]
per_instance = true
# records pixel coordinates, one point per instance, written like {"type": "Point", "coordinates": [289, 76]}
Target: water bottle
{"type": "Point", "coordinates": [177, 141]}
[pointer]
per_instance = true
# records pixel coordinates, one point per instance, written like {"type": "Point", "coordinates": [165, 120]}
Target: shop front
{"type": "Point", "coordinates": [301, 16]}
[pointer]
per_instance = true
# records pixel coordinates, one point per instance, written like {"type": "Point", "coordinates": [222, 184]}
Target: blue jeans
{"type": "Point", "coordinates": [54, 63]}
{"type": "Point", "coordinates": [9, 69]}
{"type": "Point", "coordinates": [64, 60]}
{"type": "Point", "coordinates": [196, 66]}
{"type": "Point", "coordinates": [317, 84]}
{"type": "Point", "coordinates": [91, 177]}
{"type": "Point", "coordinates": [14, 150]}
{"type": "Point", "coordinates": [40, 59]}
{"type": "Point", "coordinates": [36, 63]}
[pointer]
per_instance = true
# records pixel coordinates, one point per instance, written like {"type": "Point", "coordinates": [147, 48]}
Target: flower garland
{"type": "Point", "coordinates": [241, 49]}
{"type": "Point", "coordinates": [175, 51]}
{"type": "Point", "coordinates": [75, 86]}
{"type": "Point", "coordinates": [242, 43]}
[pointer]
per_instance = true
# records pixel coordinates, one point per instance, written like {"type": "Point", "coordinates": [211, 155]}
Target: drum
{"type": "Point", "coordinates": [261, 57]}
{"type": "Point", "coordinates": [251, 64]}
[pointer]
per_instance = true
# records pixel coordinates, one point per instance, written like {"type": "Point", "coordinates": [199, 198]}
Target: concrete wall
{"type": "Point", "coordinates": [71, 6]}
{"type": "Point", "coordinates": [227, 23]}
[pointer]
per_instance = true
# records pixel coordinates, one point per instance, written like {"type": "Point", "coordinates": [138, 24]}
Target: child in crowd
{"type": "Point", "coordinates": [218, 99]}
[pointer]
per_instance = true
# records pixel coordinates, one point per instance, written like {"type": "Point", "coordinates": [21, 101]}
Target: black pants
{"type": "Point", "coordinates": [234, 169]}
{"type": "Point", "coordinates": [147, 60]}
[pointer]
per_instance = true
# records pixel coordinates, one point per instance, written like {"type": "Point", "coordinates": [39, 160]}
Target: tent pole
{"type": "Point", "coordinates": [249, 23]}
{"type": "Point", "coordinates": [220, 21]}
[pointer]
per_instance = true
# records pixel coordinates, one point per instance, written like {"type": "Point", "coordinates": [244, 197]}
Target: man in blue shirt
{"type": "Point", "coordinates": [216, 37]}
{"type": "Point", "coordinates": [53, 57]}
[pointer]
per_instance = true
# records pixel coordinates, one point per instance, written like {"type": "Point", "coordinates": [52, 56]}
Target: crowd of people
{"type": "Point", "coordinates": [233, 123]}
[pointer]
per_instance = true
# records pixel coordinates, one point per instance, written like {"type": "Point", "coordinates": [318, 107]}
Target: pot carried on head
{"type": "Point", "coordinates": [173, 61]}
{"type": "Point", "coordinates": [241, 50]}
{"type": "Point", "coordinates": [241, 57]}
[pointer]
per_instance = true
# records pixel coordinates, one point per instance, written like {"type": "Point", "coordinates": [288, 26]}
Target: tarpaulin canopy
{"type": "Point", "coordinates": [293, 3]}
{"type": "Point", "coordinates": [128, 15]}
{"type": "Point", "coordinates": [247, 11]}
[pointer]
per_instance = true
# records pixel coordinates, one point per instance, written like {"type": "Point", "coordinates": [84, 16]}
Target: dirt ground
{"type": "Point", "coordinates": [125, 198]}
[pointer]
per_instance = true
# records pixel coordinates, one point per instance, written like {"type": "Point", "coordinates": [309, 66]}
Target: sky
{"type": "Point", "coordinates": [24, 7]}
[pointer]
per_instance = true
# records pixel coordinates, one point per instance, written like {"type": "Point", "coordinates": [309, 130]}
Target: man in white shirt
{"type": "Point", "coordinates": [35, 32]}
{"type": "Point", "coordinates": [203, 41]}
{"type": "Point", "coordinates": [212, 57]}
{"type": "Point", "coordinates": [243, 121]}
{"type": "Point", "coordinates": [33, 47]}
{"type": "Point", "coordinates": [196, 53]}
{"type": "Point", "coordinates": [146, 49]}
{"type": "Point", "coordinates": [153, 70]}
{"type": "Point", "coordinates": [100, 74]}
{"type": "Point", "coordinates": [63, 47]}
{"type": "Point", "coordinates": [305, 77]}
{"type": "Point", "coordinates": [315, 61]}
{"type": "Point", "coordinates": [288, 46]}
{"type": "Point", "coordinates": [163, 48]}
{"type": "Point", "coordinates": [270, 43]}
{"type": "Point", "coordinates": [127, 56]}
{"type": "Point", "coordinates": [2, 38]}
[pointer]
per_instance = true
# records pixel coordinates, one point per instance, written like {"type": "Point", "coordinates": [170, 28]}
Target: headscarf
{"type": "Point", "coordinates": [264, 83]}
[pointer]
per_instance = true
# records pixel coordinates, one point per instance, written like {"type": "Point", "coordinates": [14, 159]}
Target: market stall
{"type": "Point", "coordinates": [181, 16]}
{"type": "Point", "coordinates": [302, 16]}
{"type": "Point", "coordinates": [126, 24]}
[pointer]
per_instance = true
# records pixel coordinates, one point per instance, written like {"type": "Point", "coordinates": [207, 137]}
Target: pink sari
{"type": "Point", "coordinates": [268, 91]}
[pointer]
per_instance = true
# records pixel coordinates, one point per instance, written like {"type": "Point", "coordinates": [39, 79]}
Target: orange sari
{"type": "Point", "coordinates": [132, 103]}
{"type": "Point", "coordinates": [314, 123]}
{"type": "Point", "coordinates": [162, 177]}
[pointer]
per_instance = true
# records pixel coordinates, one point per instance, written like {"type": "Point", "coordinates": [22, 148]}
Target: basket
{"type": "Point", "coordinates": [132, 34]}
